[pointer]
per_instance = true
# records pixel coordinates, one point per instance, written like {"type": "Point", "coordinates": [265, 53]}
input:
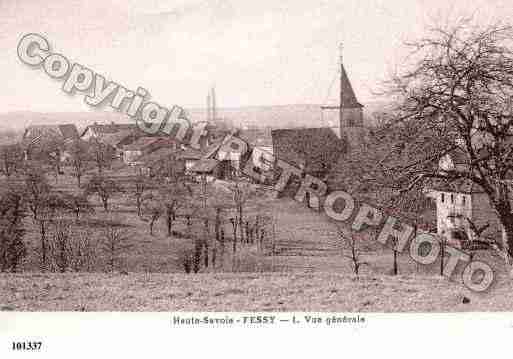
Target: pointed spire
{"type": "Point", "coordinates": [347, 95]}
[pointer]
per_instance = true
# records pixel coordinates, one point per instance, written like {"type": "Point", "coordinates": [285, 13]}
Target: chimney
{"type": "Point", "coordinates": [208, 106]}
{"type": "Point", "coordinates": [214, 115]}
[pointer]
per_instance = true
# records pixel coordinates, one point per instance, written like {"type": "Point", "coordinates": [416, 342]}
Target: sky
{"type": "Point", "coordinates": [255, 53]}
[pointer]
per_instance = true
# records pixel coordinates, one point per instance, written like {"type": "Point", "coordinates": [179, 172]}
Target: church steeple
{"type": "Point", "coordinates": [347, 95]}
{"type": "Point", "coordinates": [350, 110]}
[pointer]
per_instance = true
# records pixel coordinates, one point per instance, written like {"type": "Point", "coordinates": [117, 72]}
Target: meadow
{"type": "Point", "coordinates": [302, 267]}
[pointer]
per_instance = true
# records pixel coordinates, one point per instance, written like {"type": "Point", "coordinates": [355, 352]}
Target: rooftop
{"type": "Point", "coordinates": [314, 149]}
{"type": "Point", "coordinates": [205, 165]}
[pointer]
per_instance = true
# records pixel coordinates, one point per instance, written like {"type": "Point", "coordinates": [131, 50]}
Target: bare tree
{"type": "Point", "coordinates": [152, 210]}
{"type": "Point", "coordinates": [84, 249]}
{"type": "Point", "coordinates": [351, 247]}
{"type": "Point", "coordinates": [35, 188]}
{"type": "Point", "coordinates": [114, 244]}
{"type": "Point", "coordinates": [457, 96]}
{"type": "Point", "coordinates": [234, 224]}
{"type": "Point", "coordinates": [80, 157]}
{"type": "Point", "coordinates": [189, 210]}
{"type": "Point", "coordinates": [48, 152]}
{"type": "Point", "coordinates": [203, 240]}
{"type": "Point", "coordinates": [219, 202]}
{"type": "Point", "coordinates": [101, 153]}
{"type": "Point", "coordinates": [410, 206]}
{"type": "Point", "coordinates": [11, 159]}
{"type": "Point", "coordinates": [54, 153]}
{"type": "Point", "coordinates": [104, 188]}
{"type": "Point", "coordinates": [12, 213]}
{"type": "Point", "coordinates": [78, 204]}
{"type": "Point", "coordinates": [241, 193]}
{"type": "Point", "coordinates": [52, 204]}
{"type": "Point", "coordinates": [141, 185]}
{"type": "Point", "coordinates": [173, 195]}
{"type": "Point", "coordinates": [196, 258]}
{"type": "Point", "coordinates": [186, 257]}
{"type": "Point", "coordinates": [42, 204]}
{"type": "Point", "coordinates": [62, 251]}
{"type": "Point", "coordinates": [264, 229]}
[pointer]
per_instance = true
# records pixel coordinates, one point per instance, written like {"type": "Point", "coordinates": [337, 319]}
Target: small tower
{"type": "Point", "coordinates": [350, 110]}
{"type": "Point", "coordinates": [347, 116]}
{"type": "Point", "coordinates": [211, 105]}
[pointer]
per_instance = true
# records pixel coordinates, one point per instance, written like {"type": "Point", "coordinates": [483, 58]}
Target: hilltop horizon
{"type": "Point", "coordinates": [276, 116]}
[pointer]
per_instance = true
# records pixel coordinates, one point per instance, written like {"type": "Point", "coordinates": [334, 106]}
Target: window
{"type": "Point", "coordinates": [452, 198]}
{"type": "Point", "coordinates": [443, 197]}
{"type": "Point", "coordinates": [463, 199]}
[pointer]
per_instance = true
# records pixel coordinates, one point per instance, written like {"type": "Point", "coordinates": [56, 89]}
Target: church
{"type": "Point", "coordinates": [317, 150]}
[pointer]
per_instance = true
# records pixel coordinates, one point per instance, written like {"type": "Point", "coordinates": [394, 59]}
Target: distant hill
{"type": "Point", "coordinates": [19, 120]}
{"type": "Point", "coordinates": [283, 116]}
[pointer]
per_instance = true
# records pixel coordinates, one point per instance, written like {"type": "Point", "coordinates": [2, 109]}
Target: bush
{"type": "Point", "coordinates": [185, 258]}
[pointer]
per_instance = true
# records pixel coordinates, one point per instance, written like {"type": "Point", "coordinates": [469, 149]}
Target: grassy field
{"type": "Point", "coordinates": [300, 233]}
{"type": "Point", "coordinates": [244, 292]}
{"type": "Point", "coordinates": [307, 272]}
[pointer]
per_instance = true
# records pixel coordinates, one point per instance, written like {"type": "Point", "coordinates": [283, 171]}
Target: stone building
{"type": "Point", "coordinates": [463, 210]}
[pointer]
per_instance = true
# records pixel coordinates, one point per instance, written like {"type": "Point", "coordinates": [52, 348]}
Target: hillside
{"type": "Point", "coordinates": [304, 271]}
{"type": "Point", "coordinates": [243, 292]}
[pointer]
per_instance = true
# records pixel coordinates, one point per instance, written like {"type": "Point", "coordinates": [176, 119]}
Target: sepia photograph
{"type": "Point", "coordinates": [255, 164]}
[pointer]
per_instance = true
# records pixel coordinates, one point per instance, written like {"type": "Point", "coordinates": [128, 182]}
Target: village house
{"type": "Point", "coordinates": [201, 161]}
{"type": "Point", "coordinates": [163, 161]}
{"type": "Point", "coordinates": [463, 211]}
{"type": "Point", "coordinates": [190, 156]}
{"type": "Point", "coordinates": [64, 133]}
{"type": "Point", "coordinates": [116, 136]}
{"type": "Point", "coordinates": [157, 156]}
{"type": "Point", "coordinates": [258, 139]}
{"type": "Point", "coordinates": [117, 140]}
{"type": "Point", "coordinates": [144, 145]}
{"type": "Point", "coordinates": [98, 130]}
{"type": "Point", "coordinates": [39, 136]}
{"type": "Point", "coordinates": [209, 169]}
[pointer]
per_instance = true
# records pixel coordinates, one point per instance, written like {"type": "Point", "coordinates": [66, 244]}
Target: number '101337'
{"type": "Point", "coordinates": [26, 345]}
